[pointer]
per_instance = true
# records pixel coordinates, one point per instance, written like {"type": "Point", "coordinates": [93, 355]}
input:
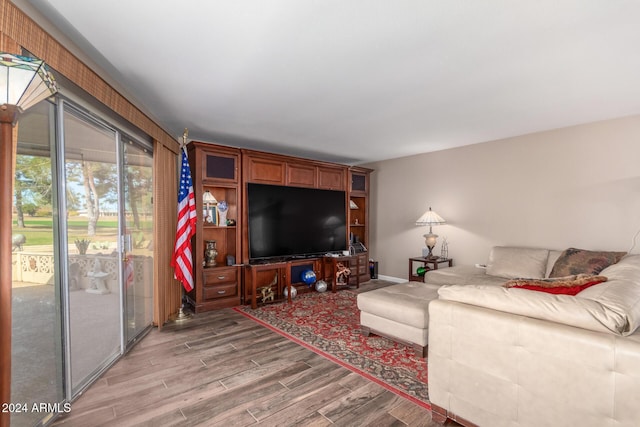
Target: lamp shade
{"type": "Point", "coordinates": [207, 197]}
{"type": "Point", "coordinates": [24, 81]}
{"type": "Point", "coordinates": [430, 218]}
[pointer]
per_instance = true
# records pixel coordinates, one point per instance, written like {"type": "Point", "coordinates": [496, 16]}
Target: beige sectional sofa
{"type": "Point", "coordinates": [517, 357]}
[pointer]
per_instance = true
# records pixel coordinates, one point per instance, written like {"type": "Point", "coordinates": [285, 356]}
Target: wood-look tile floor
{"type": "Point", "coordinates": [223, 369]}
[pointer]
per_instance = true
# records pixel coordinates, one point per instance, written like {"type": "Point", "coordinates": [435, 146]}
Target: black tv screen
{"type": "Point", "coordinates": [294, 221]}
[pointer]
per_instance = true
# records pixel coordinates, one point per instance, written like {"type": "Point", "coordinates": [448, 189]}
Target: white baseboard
{"type": "Point", "coordinates": [392, 279]}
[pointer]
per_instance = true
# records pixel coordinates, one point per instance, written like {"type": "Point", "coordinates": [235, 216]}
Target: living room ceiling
{"type": "Point", "coordinates": [359, 80]}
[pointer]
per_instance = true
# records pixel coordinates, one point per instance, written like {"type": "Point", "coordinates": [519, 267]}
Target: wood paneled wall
{"type": "Point", "coordinates": [167, 290]}
{"type": "Point", "coordinates": [17, 30]}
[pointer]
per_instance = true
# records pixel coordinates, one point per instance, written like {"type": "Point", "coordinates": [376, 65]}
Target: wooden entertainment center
{"type": "Point", "coordinates": [225, 173]}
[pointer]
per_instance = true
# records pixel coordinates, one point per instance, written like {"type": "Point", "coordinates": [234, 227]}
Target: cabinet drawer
{"type": "Point", "coordinates": [220, 275]}
{"type": "Point", "coordinates": [224, 290]}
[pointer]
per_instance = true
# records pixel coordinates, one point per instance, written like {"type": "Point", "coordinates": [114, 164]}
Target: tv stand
{"type": "Point", "coordinates": [279, 276]}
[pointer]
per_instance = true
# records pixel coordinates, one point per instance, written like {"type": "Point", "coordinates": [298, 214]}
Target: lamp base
{"type": "Point", "coordinates": [430, 256]}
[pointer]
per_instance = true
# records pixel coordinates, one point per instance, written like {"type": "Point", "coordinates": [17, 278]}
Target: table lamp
{"type": "Point", "coordinates": [209, 200]}
{"type": "Point", "coordinates": [430, 218]}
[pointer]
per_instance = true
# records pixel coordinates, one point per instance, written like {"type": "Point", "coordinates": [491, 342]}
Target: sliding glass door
{"type": "Point", "coordinates": [36, 339]}
{"type": "Point", "coordinates": [92, 234]}
{"type": "Point", "coordinates": [138, 238]}
{"type": "Point", "coordinates": [109, 233]}
{"type": "Point", "coordinates": [82, 276]}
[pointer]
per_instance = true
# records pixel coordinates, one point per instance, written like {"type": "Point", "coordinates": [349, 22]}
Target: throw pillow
{"type": "Point", "coordinates": [512, 262]}
{"type": "Point", "coordinates": [580, 261]}
{"type": "Point", "coordinates": [569, 285]}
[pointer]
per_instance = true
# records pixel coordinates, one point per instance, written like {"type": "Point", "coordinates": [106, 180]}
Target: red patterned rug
{"type": "Point", "coordinates": [329, 324]}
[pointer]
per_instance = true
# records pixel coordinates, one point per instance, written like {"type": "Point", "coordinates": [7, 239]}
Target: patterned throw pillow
{"type": "Point", "coordinates": [580, 261]}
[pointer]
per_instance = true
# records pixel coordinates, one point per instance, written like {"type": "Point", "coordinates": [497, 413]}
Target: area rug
{"type": "Point", "coordinates": [329, 324]}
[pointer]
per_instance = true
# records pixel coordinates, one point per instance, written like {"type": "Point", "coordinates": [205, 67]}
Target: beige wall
{"type": "Point", "coordinates": [571, 187]}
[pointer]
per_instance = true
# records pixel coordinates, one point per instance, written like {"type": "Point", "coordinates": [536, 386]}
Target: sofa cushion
{"type": "Point", "coordinates": [511, 262]}
{"type": "Point", "coordinates": [580, 261]}
{"type": "Point", "coordinates": [553, 257]}
{"type": "Point", "coordinates": [461, 275]}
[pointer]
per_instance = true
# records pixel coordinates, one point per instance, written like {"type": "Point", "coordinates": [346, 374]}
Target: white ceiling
{"type": "Point", "coordinates": [362, 80]}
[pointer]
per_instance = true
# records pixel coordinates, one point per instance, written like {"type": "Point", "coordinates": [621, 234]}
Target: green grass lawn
{"type": "Point", "coordinates": [39, 230]}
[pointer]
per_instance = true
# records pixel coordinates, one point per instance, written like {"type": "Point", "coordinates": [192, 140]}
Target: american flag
{"type": "Point", "coordinates": [182, 261]}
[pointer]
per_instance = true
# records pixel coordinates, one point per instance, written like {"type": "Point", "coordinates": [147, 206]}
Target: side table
{"type": "Point", "coordinates": [413, 276]}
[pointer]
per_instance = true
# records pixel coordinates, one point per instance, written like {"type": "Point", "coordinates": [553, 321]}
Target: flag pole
{"type": "Point", "coordinates": [182, 313]}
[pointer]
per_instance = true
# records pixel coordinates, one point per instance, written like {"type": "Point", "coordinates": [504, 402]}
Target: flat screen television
{"type": "Point", "coordinates": [295, 221]}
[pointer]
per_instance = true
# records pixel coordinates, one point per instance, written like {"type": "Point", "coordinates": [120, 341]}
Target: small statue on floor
{"type": "Point", "coordinates": [342, 273]}
{"type": "Point", "coordinates": [267, 293]}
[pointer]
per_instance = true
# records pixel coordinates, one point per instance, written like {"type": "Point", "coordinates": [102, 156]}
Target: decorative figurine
{"type": "Point", "coordinates": [342, 273]}
{"type": "Point", "coordinates": [267, 293]}
{"type": "Point", "coordinates": [223, 208]}
{"type": "Point", "coordinates": [210, 253]}
{"type": "Point", "coordinates": [444, 251]}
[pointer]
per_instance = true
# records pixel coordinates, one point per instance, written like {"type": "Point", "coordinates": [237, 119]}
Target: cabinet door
{"type": "Point", "coordinates": [218, 167]}
{"type": "Point", "coordinates": [359, 183]}
{"type": "Point", "coordinates": [301, 175]}
{"type": "Point", "coordinates": [331, 178]}
{"type": "Point", "coordinates": [266, 171]}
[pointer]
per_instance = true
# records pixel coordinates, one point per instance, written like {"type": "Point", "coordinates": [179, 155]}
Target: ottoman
{"type": "Point", "coordinates": [399, 312]}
